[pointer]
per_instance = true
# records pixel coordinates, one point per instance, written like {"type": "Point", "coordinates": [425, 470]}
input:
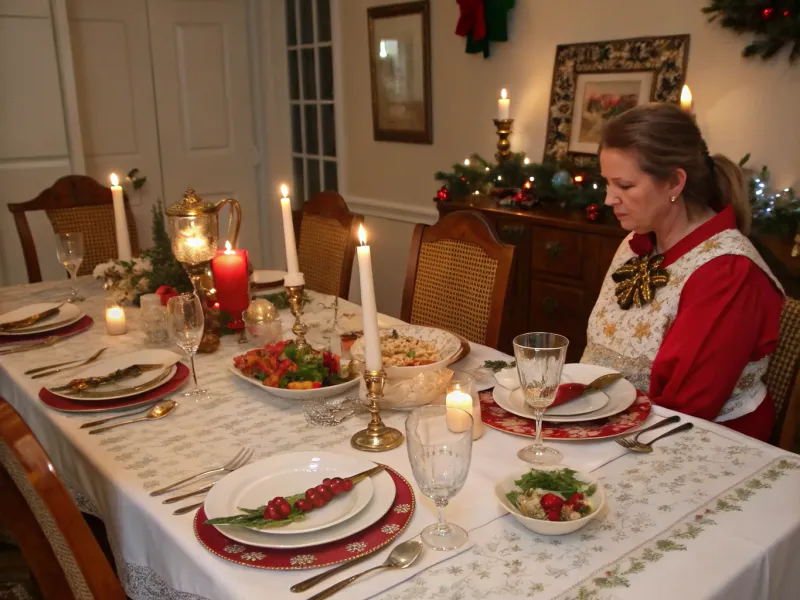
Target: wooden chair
{"type": "Point", "coordinates": [783, 378]}
{"type": "Point", "coordinates": [327, 246]}
{"type": "Point", "coordinates": [75, 203]}
{"type": "Point", "coordinates": [36, 508]}
{"type": "Point", "coordinates": [457, 277]}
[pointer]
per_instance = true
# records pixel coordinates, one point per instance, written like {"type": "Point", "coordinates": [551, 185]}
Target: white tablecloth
{"type": "Point", "coordinates": [710, 514]}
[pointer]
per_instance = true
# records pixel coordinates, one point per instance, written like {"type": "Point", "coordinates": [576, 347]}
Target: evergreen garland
{"type": "Point", "coordinates": [775, 24]}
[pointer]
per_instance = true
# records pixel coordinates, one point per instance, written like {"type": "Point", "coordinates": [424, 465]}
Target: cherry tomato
{"type": "Point", "coordinates": [327, 494]}
{"type": "Point", "coordinates": [284, 509]}
{"type": "Point", "coordinates": [311, 492]}
{"type": "Point", "coordinates": [273, 513]}
{"type": "Point", "coordinates": [327, 481]}
{"type": "Point", "coordinates": [574, 499]}
{"type": "Point", "coordinates": [347, 485]}
{"type": "Point", "coordinates": [554, 515]}
{"type": "Point", "coordinates": [303, 504]}
{"type": "Point", "coordinates": [317, 501]}
{"type": "Point", "coordinates": [551, 502]}
{"type": "Point", "coordinates": [336, 488]}
{"type": "Point", "coordinates": [321, 488]}
{"type": "Point", "coordinates": [337, 479]}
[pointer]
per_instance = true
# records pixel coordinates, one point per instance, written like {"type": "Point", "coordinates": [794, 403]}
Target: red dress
{"type": "Point", "coordinates": [729, 315]}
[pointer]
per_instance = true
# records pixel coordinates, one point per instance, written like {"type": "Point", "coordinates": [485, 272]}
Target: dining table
{"type": "Point", "coordinates": [709, 514]}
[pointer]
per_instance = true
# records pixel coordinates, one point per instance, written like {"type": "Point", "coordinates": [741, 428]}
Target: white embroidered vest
{"type": "Point", "coordinates": [628, 340]}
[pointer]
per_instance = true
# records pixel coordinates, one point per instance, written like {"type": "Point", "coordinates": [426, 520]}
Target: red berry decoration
{"type": "Point", "coordinates": [554, 515]}
{"type": "Point", "coordinates": [551, 502]}
{"type": "Point", "coordinates": [347, 484]}
{"type": "Point", "coordinates": [303, 504]}
{"type": "Point", "coordinates": [326, 481]}
{"type": "Point", "coordinates": [273, 513]}
{"type": "Point", "coordinates": [310, 493]}
{"type": "Point", "coordinates": [317, 501]}
{"type": "Point", "coordinates": [336, 488]}
{"type": "Point", "coordinates": [593, 212]}
{"type": "Point", "coordinates": [766, 13]}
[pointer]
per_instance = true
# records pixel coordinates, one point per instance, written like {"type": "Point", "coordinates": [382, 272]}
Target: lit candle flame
{"type": "Point", "coordinates": [504, 93]}
{"type": "Point", "coordinates": [114, 179]}
{"type": "Point", "coordinates": [284, 190]}
{"type": "Point", "coordinates": [466, 162]}
{"type": "Point", "coordinates": [686, 99]}
{"type": "Point", "coordinates": [362, 235]}
{"type": "Point", "coordinates": [228, 249]}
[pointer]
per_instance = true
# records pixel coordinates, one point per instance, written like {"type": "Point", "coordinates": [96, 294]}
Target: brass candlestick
{"type": "Point", "coordinates": [294, 293]}
{"type": "Point", "coordinates": [503, 145]}
{"type": "Point", "coordinates": [377, 437]}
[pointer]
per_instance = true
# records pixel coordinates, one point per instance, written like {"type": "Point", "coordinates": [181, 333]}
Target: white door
{"type": "Point", "coordinates": [204, 109]}
{"type": "Point", "coordinates": [114, 83]}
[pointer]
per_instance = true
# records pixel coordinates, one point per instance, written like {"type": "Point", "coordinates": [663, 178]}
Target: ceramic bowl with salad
{"type": "Point", "coordinates": [282, 369]}
{"type": "Point", "coordinates": [551, 500]}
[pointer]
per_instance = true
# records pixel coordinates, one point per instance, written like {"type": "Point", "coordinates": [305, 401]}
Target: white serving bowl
{"type": "Point", "coordinates": [447, 346]}
{"type": "Point", "coordinates": [323, 392]}
{"type": "Point", "coordinates": [542, 527]}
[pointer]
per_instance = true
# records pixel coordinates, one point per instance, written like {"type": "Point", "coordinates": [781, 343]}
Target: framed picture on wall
{"type": "Point", "coordinates": [593, 82]}
{"type": "Point", "coordinates": [400, 70]}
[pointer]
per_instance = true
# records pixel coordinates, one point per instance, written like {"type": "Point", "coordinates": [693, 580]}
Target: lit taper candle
{"type": "Point", "coordinates": [294, 276]}
{"type": "Point", "coordinates": [372, 336]}
{"type": "Point", "coordinates": [120, 221]}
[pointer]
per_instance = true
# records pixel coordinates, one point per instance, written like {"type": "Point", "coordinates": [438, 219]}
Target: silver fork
{"type": "Point", "coordinates": [185, 509]}
{"type": "Point", "coordinates": [648, 447]}
{"type": "Point", "coordinates": [88, 361]}
{"type": "Point", "coordinates": [662, 423]}
{"type": "Point", "coordinates": [231, 465]}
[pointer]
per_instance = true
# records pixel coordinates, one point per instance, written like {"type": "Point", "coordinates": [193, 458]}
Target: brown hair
{"type": "Point", "coordinates": [667, 138]}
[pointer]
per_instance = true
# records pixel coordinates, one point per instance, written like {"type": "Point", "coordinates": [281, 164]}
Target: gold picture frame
{"type": "Point", "coordinates": [400, 72]}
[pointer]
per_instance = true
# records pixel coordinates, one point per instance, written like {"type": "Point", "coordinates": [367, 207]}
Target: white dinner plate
{"type": "Point", "coordinates": [572, 373]}
{"type": "Point", "coordinates": [621, 394]}
{"type": "Point", "coordinates": [323, 392]}
{"type": "Point", "coordinates": [66, 315]}
{"type": "Point", "coordinates": [121, 389]}
{"type": "Point", "coordinates": [251, 488]}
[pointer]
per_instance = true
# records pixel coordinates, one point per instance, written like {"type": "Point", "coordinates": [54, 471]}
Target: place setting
{"type": "Point", "coordinates": [126, 381]}
{"type": "Point", "coordinates": [40, 325]}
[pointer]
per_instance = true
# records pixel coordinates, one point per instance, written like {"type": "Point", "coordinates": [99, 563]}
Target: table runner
{"type": "Point", "coordinates": [159, 558]}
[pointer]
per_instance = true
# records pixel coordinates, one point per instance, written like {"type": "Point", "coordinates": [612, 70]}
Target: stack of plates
{"type": "Point", "coordinates": [595, 415]}
{"type": "Point", "coordinates": [149, 387]}
{"type": "Point", "coordinates": [68, 320]}
{"type": "Point", "coordinates": [351, 525]}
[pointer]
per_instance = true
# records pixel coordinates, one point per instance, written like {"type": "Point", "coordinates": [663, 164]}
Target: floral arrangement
{"type": "Point", "coordinates": [125, 280]}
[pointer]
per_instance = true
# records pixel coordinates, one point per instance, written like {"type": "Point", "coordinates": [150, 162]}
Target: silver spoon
{"type": "Point", "coordinates": [402, 556]}
{"type": "Point", "coordinates": [159, 411]}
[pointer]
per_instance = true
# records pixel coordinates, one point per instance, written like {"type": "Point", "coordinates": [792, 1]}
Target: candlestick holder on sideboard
{"type": "Point", "coordinates": [503, 127]}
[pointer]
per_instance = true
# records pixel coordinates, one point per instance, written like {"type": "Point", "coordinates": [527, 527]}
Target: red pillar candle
{"type": "Point", "coordinates": [231, 282]}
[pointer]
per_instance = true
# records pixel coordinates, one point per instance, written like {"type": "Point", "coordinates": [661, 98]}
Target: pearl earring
{"type": "Point", "coordinates": [672, 199]}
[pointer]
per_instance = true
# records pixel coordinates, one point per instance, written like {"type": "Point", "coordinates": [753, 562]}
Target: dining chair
{"type": "Point", "coordinates": [783, 378]}
{"type": "Point", "coordinates": [327, 245]}
{"type": "Point", "coordinates": [457, 277]}
{"type": "Point", "coordinates": [41, 516]}
{"type": "Point", "coordinates": [75, 203]}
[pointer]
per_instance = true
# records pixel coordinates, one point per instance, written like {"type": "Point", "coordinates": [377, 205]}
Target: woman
{"type": "Point", "coordinates": [689, 311]}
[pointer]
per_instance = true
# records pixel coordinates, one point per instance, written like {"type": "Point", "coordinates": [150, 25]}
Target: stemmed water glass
{"type": "Point", "coordinates": [186, 321]}
{"type": "Point", "coordinates": [440, 450]}
{"type": "Point", "coordinates": [540, 360]}
{"type": "Point", "coordinates": [69, 249]}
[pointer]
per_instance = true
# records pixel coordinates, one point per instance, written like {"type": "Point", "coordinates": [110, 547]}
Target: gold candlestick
{"type": "Point", "coordinates": [294, 293]}
{"type": "Point", "coordinates": [503, 145]}
{"type": "Point", "coordinates": [377, 437]}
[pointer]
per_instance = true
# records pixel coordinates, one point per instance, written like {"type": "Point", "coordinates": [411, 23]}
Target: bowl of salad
{"type": "Point", "coordinates": [550, 500]}
{"type": "Point", "coordinates": [282, 369]}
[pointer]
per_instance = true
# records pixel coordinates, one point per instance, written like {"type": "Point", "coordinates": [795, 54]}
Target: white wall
{"type": "Point", "coordinates": [742, 105]}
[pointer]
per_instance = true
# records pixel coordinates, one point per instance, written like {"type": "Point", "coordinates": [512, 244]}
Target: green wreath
{"type": "Point", "coordinates": [775, 24]}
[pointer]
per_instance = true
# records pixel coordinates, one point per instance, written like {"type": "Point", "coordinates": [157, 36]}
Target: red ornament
{"type": "Point", "coordinates": [443, 195]}
{"type": "Point", "coordinates": [766, 13]}
{"type": "Point", "coordinates": [786, 13]}
{"type": "Point", "coordinates": [166, 292]}
{"type": "Point", "coordinates": [593, 212]}
{"type": "Point", "coordinates": [519, 197]}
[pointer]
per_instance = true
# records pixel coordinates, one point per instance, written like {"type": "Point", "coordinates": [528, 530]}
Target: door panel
{"type": "Point", "coordinates": [203, 102]}
{"type": "Point", "coordinates": [113, 77]}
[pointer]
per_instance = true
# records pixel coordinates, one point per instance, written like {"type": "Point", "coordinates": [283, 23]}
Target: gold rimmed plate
{"type": "Point", "coordinates": [127, 387]}
{"type": "Point", "coordinates": [67, 314]}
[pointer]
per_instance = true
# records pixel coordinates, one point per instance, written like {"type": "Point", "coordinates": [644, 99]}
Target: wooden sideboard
{"type": "Point", "coordinates": [560, 263]}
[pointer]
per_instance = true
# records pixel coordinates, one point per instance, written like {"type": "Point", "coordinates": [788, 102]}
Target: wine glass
{"type": "Point", "coordinates": [540, 359]}
{"type": "Point", "coordinates": [440, 450]}
{"type": "Point", "coordinates": [69, 249]}
{"type": "Point", "coordinates": [186, 321]}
